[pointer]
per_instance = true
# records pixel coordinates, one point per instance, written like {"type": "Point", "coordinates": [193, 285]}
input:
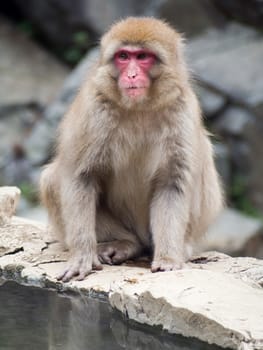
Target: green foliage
{"type": "Point", "coordinates": [81, 39]}
{"type": "Point", "coordinates": [239, 197]}
{"type": "Point", "coordinates": [72, 55]}
{"type": "Point", "coordinates": [26, 27]}
{"type": "Point", "coordinates": [29, 192]}
{"type": "Point", "coordinates": [80, 44]}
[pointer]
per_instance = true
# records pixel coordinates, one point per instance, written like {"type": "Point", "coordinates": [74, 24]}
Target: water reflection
{"type": "Point", "coordinates": [33, 318]}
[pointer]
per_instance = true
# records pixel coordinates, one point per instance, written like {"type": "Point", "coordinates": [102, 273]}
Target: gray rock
{"type": "Point", "coordinates": [211, 102]}
{"type": "Point", "coordinates": [240, 154]}
{"type": "Point", "coordinates": [223, 162]}
{"type": "Point", "coordinates": [230, 61]}
{"type": "Point", "coordinates": [29, 75]}
{"type": "Point", "coordinates": [232, 126]}
{"type": "Point", "coordinates": [254, 141]}
{"type": "Point", "coordinates": [15, 125]}
{"type": "Point", "coordinates": [190, 17]}
{"type": "Point", "coordinates": [39, 144]}
{"type": "Point", "coordinates": [254, 246]}
{"type": "Point", "coordinates": [216, 298]}
{"type": "Point", "coordinates": [233, 121]}
{"type": "Point", "coordinates": [20, 235]}
{"type": "Point", "coordinates": [60, 20]}
{"type": "Point", "coordinates": [101, 14]}
{"type": "Point", "coordinates": [9, 197]}
{"type": "Point", "coordinates": [248, 11]}
{"type": "Point", "coordinates": [231, 232]}
{"type": "Point", "coordinates": [36, 213]}
{"type": "Point", "coordinates": [215, 41]}
{"type": "Point", "coordinates": [242, 132]}
{"type": "Point", "coordinates": [209, 305]}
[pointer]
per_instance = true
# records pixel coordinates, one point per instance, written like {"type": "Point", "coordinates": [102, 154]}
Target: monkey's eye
{"type": "Point", "coordinates": [142, 56]}
{"type": "Point", "coordinates": [123, 55]}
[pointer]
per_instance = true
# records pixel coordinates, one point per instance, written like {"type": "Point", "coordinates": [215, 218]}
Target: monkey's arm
{"type": "Point", "coordinates": [170, 206]}
{"type": "Point", "coordinates": [79, 213]}
{"type": "Point", "coordinates": [169, 218]}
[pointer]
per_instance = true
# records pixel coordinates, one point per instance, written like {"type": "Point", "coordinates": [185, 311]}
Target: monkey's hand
{"type": "Point", "coordinates": [80, 265]}
{"type": "Point", "coordinates": [166, 264]}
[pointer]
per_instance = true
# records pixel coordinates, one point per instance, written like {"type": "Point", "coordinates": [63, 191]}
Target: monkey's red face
{"type": "Point", "coordinates": [134, 66]}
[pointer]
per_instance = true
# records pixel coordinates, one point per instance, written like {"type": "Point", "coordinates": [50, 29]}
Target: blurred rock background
{"type": "Point", "coordinates": [46, 49]}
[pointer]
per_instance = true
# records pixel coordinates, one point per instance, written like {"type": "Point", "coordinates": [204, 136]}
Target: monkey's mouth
{"type": "Point", "coordinates": [135, 91]}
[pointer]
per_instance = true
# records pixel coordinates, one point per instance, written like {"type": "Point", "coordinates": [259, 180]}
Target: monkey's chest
{"type": "Point", "coordinates": [129, 186]}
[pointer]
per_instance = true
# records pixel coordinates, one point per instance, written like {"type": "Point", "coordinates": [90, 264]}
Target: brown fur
{"type": "Point", "coordinates": [133, 175]}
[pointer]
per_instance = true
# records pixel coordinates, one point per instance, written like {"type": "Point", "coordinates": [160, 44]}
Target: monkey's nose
{"type": "Point", "coordinates": [132, 70]}
{"type": "Point", "coordinates": [132, 75]}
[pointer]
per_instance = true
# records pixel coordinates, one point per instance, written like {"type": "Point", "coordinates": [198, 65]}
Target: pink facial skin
{"type": "Point", "coordinates": [134, 65]}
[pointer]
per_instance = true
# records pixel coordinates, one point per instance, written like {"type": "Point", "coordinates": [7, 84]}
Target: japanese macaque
{"type": "Point", "coordinates": [134, 168]}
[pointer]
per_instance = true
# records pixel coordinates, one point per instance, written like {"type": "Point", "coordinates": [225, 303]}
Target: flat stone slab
{"type": "Point", "coordinates": [231, 64]}
{"type": "Point", "coordinates": [231, 232]}
{"type": "Point", "coordinates": [28, 73]}
{"type": "Point", "coordinates": [217, 299]}
{"type": "Point", "coordinates": [9, 197]}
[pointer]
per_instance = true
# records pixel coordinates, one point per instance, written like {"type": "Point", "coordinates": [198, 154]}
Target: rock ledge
{"type": "Point", "coordinates": [217, 299]}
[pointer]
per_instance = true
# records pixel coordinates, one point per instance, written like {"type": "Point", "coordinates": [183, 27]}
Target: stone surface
{"type": "Point", "coordinates": [223, 162]}
{"type": "Point", "coordinates": [59, 20]}
{"type": "Point", "coordinates": [253, 139]}
{"type": "Point", "coordinates": [211, 102]}
{"type": "Point", "coordinates": [254, 246]}
{"type": "Point", "coordinates": [241, 132]}
{"type": "Point", "coordinates": [231, 64]}
{"type": "Point", "coordinates": [216, 298]}
{"type": "Point", "coordinates": [30, 79]}
{"type": "Point", "coordinates": [193, 306]}
{"type": "Point", "coordinates": [40, 142]}
{"type": "Point", "coordinates": [228, 61]}
{"type": "Point", "coordinates": [247, 11]}
{"type": "Point", "coordinates": [16, 124]}
{"type": "Point", "coordinates": [28, 73]}
{"type": "Point", "coordinates": [37, 213]}
{"type": "Point", "coordinates": [101, 14]}
{"type": "Point", "coordinates": [9, 197]}
{"type": "Point", "coordinates": [231, 232]}
{"type": "Point", "coordinates": [95, 16]}
{"type": "Point", "coordinates": [180, 14]}
{"type": "Point", "coordinates": [233, 121]}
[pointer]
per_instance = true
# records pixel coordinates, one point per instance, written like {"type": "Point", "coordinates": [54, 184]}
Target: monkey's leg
{"type": "Point", "coordinates": [78, 197]}
{"type": "Point", "coordinates": [208, 193]}
{"type": "Point", "coordinates": [115, 243]}
{"type": "Point", "coordinates": [50, 197]}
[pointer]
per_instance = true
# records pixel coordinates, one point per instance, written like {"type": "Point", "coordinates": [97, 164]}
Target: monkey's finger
{"type": "Point", "coordinates": [105, 258]}
{"type": "Point", "coordinates": [105, 253]}
{"type": "Point", "coordinates": [68, 274]}
{"type": "Point", "coordinates": [82, 274]}
{"type": "Point", "coordinates": [60, 276]}
{"type": "Point", "coordinates": [84, 271]}
{"type": "Point", "coordinates": [96, 265]}
{"type": "Point", "coordinates": [119, 257]}
{"type": "Point", "coordinates": [165, 266]}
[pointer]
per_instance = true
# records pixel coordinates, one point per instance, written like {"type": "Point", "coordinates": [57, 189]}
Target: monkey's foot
{"type": "Point", "coordinates": [116, 252]}
{"type": "Point", "coordinates": [166, 264]}
{"type": "Point", "coordinates": [79, 265]}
